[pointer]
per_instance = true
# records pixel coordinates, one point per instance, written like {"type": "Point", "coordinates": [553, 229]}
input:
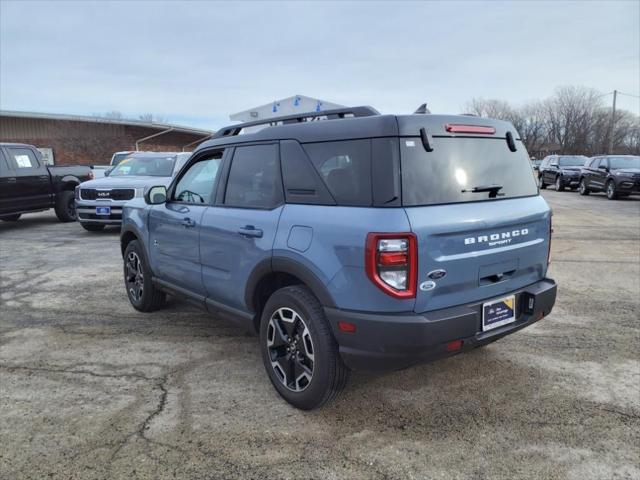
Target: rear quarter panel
{"type": "Point", "coordinates": [329, 241]}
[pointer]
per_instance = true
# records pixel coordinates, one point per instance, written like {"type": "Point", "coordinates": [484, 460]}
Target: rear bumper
{"type": "Point", "coordinates": [394, 341]}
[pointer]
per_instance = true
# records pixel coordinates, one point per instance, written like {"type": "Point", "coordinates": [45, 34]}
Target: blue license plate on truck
{"type": "Point", "coordinates": [103, 210]}
{"type": "Point", "coordinates": [497, 313]}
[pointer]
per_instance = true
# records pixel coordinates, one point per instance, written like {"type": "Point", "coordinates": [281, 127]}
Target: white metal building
{"type": "Point", "coordinates": [286, 106]}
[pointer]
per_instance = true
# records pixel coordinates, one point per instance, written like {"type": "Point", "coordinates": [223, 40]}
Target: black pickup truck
{"type": "Point", "coordinates": [28, 185]}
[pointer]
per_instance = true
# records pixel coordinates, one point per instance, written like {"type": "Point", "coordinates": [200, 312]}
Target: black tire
{"type": "Point", "coordinates": [582, 188]}
{"type": "Point", "coordinates": [92, 227]}
{"type": "Point", "coordinates": [11, 218]}
{"type": "Point", "coordinates": [541, 183]}
{"type": "Point", "coordinates": [308, 331]}
{"type": "Point", "coordinates": [66, 206]}
{"type": "Point", "coordinates": [610, 190]}
{"type": "Point", "coordinates": [559, 184]}
{"type": "Point", "coordinates": [143, 294]}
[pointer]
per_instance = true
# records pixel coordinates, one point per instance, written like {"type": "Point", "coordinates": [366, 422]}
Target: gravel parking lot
{"type": "Point", "coordinates": [90, 388]}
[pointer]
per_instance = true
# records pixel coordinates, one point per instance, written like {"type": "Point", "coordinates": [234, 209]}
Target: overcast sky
{"type": "Point", "coordinates": [195, 63]}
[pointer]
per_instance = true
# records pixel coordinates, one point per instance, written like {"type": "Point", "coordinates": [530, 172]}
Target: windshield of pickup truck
{"type": "Point", "coordinates": [464, 170]}
{"type": "Point", "coordinates": [118, 157]}
{"type": "Point", "coordinates": [145, 166]}
{"type": "Point", "coordinates": [624, 162]}
{"type": "Point", "coordinates": [572, 161]}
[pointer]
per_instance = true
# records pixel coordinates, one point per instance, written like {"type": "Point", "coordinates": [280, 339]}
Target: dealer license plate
{"type": "Point", "coordinates": [497, 313]}
{"type": "Point", "coordinates": [103, 210]}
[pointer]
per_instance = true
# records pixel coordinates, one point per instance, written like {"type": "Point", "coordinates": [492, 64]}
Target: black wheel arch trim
{"type": "Point", "coordinates": [137, 236]}
{"type": "Point", "coordinates": [293, 267]}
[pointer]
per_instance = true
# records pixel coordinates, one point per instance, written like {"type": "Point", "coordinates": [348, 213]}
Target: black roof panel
{"type": "Point", "coordinates": [361, 127]}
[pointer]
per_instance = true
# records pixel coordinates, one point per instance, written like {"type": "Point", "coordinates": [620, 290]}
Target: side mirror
{"type": "Point", "coordinates": [107, 172]}
{"type": "Point", "coordinates": [156, 195]}
{"type": "Point", "coordinates": [555, 165]}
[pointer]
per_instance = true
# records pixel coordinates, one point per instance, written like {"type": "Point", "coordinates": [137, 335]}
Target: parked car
{"type": "Point", "coordinates": [616, 175]}
{"type": "Point", "coordinates": [535, 163]}
{"type": "Point", "coordinates": [99, 170]}
{"type": "Point", "coordinates": [99, 202]}
{"type": "Point", "coordinates": [28, 185]}
{"type": "Point", "coordinates": [363, 241]}
{"type": "Point", "coordinates": [562, 171]}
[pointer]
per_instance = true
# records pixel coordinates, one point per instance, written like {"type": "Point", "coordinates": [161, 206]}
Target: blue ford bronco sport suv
{"type": "Point", "coordinates": [349, 240]}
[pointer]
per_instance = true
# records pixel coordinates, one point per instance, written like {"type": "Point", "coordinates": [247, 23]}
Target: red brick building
{"type": "Point", "coordinates": [71, 139]}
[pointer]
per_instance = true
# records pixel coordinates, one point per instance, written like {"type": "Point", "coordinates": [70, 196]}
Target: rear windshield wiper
{"type": "Point", "coordinates": [492, 189]}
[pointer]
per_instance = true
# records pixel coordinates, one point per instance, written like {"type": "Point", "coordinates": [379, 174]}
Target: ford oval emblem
{"type": "Point", "coordinates": [436, 274]}
{"type": "Point", "coordinates": [428, 285]}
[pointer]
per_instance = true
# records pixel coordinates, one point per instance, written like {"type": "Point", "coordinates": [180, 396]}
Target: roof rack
{"type": "Point", "coordinates": [337, 113]}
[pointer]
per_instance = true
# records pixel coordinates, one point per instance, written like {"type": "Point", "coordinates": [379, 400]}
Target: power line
{"type": "Point", "coordinates": [629, 94]}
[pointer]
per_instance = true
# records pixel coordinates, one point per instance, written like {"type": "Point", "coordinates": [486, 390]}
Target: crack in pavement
{"type": "Point", "coordinates": [140, 431]}
{"type": "Point", "coordinates": [70, 370]}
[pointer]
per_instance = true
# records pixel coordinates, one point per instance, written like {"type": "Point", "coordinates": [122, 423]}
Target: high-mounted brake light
{"type": "Point", "coordinates": [391, 261]}
{"type": "Point", "coordinates": [478, 129]}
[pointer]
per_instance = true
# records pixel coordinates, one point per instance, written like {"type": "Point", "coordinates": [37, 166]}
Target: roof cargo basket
{"type": "Point", "coordinates": [337, 113]}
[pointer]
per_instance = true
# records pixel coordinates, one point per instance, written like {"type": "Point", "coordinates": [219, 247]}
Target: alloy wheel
{"type": "Point", "coordinates": [558, 183]}
{"type": "Point", "coordinates": [290, 349]}
{"type": "Point", "coordinates": [611, 190]}
{"type": "Point", "coordinates": [134, 277]}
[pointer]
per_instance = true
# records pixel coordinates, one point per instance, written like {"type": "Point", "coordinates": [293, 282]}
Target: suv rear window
{"type": "Point", "coordinates": [457, 165]}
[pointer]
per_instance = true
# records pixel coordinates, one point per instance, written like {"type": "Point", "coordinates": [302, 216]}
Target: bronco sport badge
{"type": "Point", "coordinates": [497, 238]}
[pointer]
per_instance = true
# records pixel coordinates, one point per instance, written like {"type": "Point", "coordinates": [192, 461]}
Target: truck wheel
{"type": "Point", "coordinates": [541, 183]}
{"type": "Point", "coordinates": [66, 207]}
{"type": "Point", "coordinates": [92, 227]}
{"type": "Point", "coordinates": [142, 293]}
{"type": "Point", "coordinates": [582, 188]}
{"type": "Point", "coordinates": [11, 218]}
{"type": "Point", "coordinates": [559, 184]}
{"type": "Point", "coordinates": [611, 190]}
{"type": "Point", "coordinates": [298, 349]}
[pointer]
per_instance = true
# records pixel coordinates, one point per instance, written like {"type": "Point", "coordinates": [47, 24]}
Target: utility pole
{"type": "Point", "coordinates": [613, 123]}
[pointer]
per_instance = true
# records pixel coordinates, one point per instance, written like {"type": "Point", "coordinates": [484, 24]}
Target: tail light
{"type": "Point", "coordinates": [391, 261]}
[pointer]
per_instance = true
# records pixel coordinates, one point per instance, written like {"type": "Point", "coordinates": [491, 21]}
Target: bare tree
{"type": "Point", "coordinates": [573, 121]}
{"type": "Point", "coordinates": [151, 118]}
{"type": "Point", "coordinates": [113, 115]}
{"type": "Point", "coordinates": [571, 113]}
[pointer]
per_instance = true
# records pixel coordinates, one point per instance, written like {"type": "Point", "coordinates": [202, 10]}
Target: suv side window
{"type": "Point", "coordinates": [22, 158]}
{"type": "Point", "coordinates": [254, 178]}
{"type": "Point", "coordinates": [345, 167]}
{"type": "Point", "coordinates": [197, 185]}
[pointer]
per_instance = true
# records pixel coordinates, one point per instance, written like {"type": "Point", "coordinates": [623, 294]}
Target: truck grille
{"type": "Point", "coordinates": [113, 194]}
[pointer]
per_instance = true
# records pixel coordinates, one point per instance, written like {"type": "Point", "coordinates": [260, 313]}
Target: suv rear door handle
{"type": "Point", "coordinates": [188, 223]}
{"type": "Point", "coordinates": [250, 231]}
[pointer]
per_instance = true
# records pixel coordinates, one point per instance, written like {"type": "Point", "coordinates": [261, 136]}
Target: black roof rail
{"type": "Point", "coordinates": [363, 111]}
